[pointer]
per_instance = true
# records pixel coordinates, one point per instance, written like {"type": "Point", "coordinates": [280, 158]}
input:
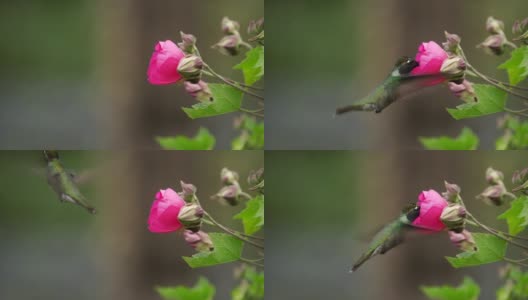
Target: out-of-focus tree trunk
{"type": "Point", "coordinates": [125, 38]}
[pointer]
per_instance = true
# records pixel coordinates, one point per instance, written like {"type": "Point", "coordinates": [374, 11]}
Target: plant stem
{"type": "Point", "coordinates": [516, 112]}
{"type": "Point", "coordinates": [485, 78]}
{"type": "Point", "coordinates": [512, 261]}
{"type": "Point", "coordinates": [231, 83]}
{"type": "Point", "coordinates": [252, 112]}
{"type": "Point", "coordinates": [251, 262]}
{"type": "Point", "coordinates": [486, 228]}
{"type": "Point", "coordinates": [233, 232]}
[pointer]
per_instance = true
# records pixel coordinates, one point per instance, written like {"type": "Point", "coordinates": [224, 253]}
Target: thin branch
{"type": "Point", "coordinates": [251, 262]}
{"type": "Point", "coordinates": [231, 83]}
{"type": "Point", "coordinates": [515, 262]}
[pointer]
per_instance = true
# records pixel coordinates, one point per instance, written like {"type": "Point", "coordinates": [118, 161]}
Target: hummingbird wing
{"type": "Point", "coordinates": [389, 237]}
{"type": "Point", "coordinates": [409, 84]}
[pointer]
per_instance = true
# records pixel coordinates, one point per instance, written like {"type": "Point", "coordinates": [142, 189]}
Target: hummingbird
{"type": "Point", "coordinates": [398, 84]}
{"type": "Point", "coordinates": [390, 236]}
{"type": "Point", "coordinates": [63, 183]}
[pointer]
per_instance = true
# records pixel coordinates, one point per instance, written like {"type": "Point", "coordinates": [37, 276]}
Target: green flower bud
{"type": "Point", "coordinates": [229, 194]}
{"type": "Point", "coordinates": [190, 68]}
{"type": "Point", "coordinates": [494, 26]}
{"type": "Point", "coordinates": [198, 240]}
{"type": "Point", "coordinates": [199, 90]}
{"type": "Point", "coordinates": [188, 192]}
{"type": "Point", "coordinates": [463, 240]}
{"type": "Point", "coordinates": [255, 26]}
{"type": "Point", "coordinates": [256, 180]}
{"type": "Point", "coordinates": [228, 177]}
{"type": "Point", "coordinates": [453, 68]}
{"type": "Point", "coordinates": [452, 192]}
{"type": "Point", "coordinates": [229, 26]}
{"type": "Point", "coordinates": [520, 176]}
{"type": "Point", "coordinates": [452, 42]}
{"type": "Point", "coordinates": [494, 44]}
{"type": "Point", "coordinates": [190, 216]}
{"type": "Point", "coordinates": [229, 44]}
{"type": "Point", "coordinates": [495, 195]}
{"type": "Point", "coordinates": [188, 42]}
{"type": "Point", "coordinates": [454, 217]}
{"type": "Point", "coordinates": [494, 176]}
{"type": "Point", "coordinates": [521, 179]}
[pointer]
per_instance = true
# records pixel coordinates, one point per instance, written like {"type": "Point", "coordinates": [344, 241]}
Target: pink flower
{"type": "Point", "coordinates": [164, 212]}
{"type": "Point", "coordinates": [430, 57]}
{"type": "Point", "coordinates": [163, 66]}
{"type": "Point", "coordinates": [431, 207]}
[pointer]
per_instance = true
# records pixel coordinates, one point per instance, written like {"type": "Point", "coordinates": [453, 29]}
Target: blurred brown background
{"type": "Point", "coordinates": [73, 73]}
{"type": "Point", "coordinates": [326, 205]}
{"type": "Point", "coordinates": [323, 54]}
{"type": "Point", "coordinates": [53, 250]}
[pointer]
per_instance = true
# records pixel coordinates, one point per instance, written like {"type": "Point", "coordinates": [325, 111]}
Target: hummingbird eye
{"type": "Point", "coordinates": [413, 214]}
{"type": "Point", "coordinates": [406, 67]}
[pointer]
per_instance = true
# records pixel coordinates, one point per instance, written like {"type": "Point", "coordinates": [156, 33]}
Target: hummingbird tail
{"type": "Point", "coordinates": [360, 261]}
{"type": "Point", "coordinates": [357, 107]}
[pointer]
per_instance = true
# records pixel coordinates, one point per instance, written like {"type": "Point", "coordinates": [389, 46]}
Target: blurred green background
{"type": "Point", "coordinates": [326, 204]}
{"type": "Point", "coordinates": [323, 54]}
{"type": "Point", "coordinates": [53, 250]}
{"type": "Point", "coordinates": [73, 73]}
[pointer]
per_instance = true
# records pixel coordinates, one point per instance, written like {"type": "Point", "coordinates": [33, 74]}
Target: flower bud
{"type": "Point", "coordinates": [494, 26]}
{"type": "Point", "coordinates": [494, 44]}
{"type": "Point", "coordinates": [454, 217]}
{"type": "Point", "coordinates": [188, 42]}
{"type": "Point", "coordinates": [229, 26]}
{"type": "Point", "coordinates": [463, 240]}
{"type": "Point", "coordinates": [229, 194]}
{"type": "Point", "coordinates": [198, 240]}
{"type": "Point", "coordinates": [190, 67]}
{"type": "Point", "coordinates": [520, 178]}
{"type": "Point", "coordinates": [188, 191]}
{"type": "Point", "coordinates": [453, 68]}
{"type": "Point", "coordinates": [191, 216]}
{"type": "Point", "coordinates": [452, 192]}
{"type": "Point", "coordinates": [228, 177]}
{"type": "Point", "coordinates": [256, 180]}
{"type": "Point", "coordinates": [229, 44]}
{"type": "Point", "coordinates": [464, 91]}
{"type": "Point", "coordinates": [521, 28]}
{"type": "Point", "coordinates": [494, 176]}
{"type": "Point", "coordinates": [199, 90]}
{"type": "Point", "coordinates": [255, 26]}
{"type": "Point", "coordinates": [452, 42]}
{"type": "Point", "coordinates": [495, 195]}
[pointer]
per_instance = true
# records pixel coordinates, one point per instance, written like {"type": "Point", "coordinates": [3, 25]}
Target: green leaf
{"type": "Point", "coordinates": [253, 65]}
{"type": "Point", "coordinates": [517, 215]}
{"type": "Point", "coordinates": [489, 249]}
{"type": "Point", "coordinates": [253, 215]}
{"type": "Point", "coordinates": [252, 135]}
{"type": "Point", "coordinates": [517, 65]}
{"type": "Point", "coordinates": [251, 285]}
{"type": "Point", "coordinates": [468, 290]}
{"type": "Point", "coordinates": [203, 140]}
{"type": "Point", "coordinates": [490, 100]}
{"type": "Point", "coordinates": [466, 140]}
{"type": "Point", "coordinates": [226, 249]}
{"type": "Point", "coordinates": [226, 99]}
{"type": "Point", "coordinates": [202, 290]}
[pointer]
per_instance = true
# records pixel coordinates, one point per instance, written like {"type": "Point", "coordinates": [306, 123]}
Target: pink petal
{"type": "Point", "coordinates": [164, 212]}
{"type": "Point", "coordinates": [163, 65]}
{"type": "Point", "coordinates": [430, 57]}
{"type": "Point", "coordinates": [431, 207]}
